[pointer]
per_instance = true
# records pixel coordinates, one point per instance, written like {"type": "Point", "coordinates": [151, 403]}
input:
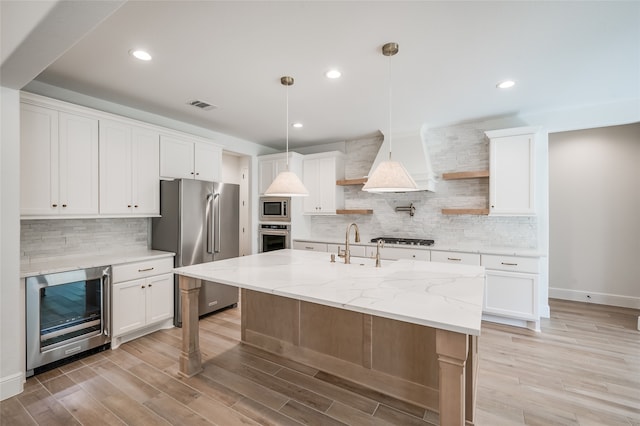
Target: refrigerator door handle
{"type": "Point", "coordinates": [209, 219]}
{"type": "Point", "coordinates": [216, 231]}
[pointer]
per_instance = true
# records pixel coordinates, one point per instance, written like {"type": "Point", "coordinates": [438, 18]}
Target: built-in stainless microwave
{"type": "Point", "coordinates": [275, 209]}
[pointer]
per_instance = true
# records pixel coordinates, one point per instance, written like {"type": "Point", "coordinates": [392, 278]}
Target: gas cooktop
{"type": "Point", "coordinates": [404, 241]}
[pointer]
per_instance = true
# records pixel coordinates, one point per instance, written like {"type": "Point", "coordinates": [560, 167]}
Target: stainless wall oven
{"type": "Point", "coordinates": [274, 237]}
{"type": "Point", "coordinates": [68, 313]}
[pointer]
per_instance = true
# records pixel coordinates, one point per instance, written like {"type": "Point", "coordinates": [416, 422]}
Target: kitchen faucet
{"type": "Point", "coordinates": [378, 247]}
{"type": "Point", "coordinates": [347, 254]}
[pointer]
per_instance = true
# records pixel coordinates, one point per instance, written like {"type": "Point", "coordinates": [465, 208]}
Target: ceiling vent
{"type": "Point", "coordinates": [201, 104]}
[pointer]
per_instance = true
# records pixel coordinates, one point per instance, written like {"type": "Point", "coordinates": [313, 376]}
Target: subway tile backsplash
{"type": "Point", "coordinates": [44, 239]}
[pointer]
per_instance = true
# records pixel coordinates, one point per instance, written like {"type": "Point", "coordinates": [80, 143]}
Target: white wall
{"type": "Point", "coordinates": [594, 202]}
{"type": "Point", "coordinates": [12, 352]}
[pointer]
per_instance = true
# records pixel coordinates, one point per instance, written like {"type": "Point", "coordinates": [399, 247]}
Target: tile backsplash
{"type": "Point", "coordinates": [452, 149]}
{"type": "Point", "coordinates": [44, 239]}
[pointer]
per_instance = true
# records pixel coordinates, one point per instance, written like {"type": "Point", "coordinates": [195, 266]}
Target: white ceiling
{"type": "Point", "coordinates": [452, 54]}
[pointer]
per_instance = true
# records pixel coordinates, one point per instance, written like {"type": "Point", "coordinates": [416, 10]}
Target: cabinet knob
{"type": "Point", "coordinates": [150, 285]}
{"type": "Point", "coordinates": [198, 174]}
{"type": "Point", "coordinates": [191, 172]}
{"type": "Point", "coordinates": [142, 286]}
{"type": "Point", "coordinates": [54, 205]}
{"type": "Point", "coordinates": [129, 206]}
{"type": "Point", "coordinates": [64, 205]}
{"type": "Point", "coordinates": [136, 206]}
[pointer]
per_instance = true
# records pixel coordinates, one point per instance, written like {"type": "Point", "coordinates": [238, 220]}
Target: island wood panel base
{"type": "Point", "coordinates": [430, 367]}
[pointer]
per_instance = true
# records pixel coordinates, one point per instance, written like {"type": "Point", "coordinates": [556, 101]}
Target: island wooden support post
{"type": "Point", "coordinates": [190, 359]}
{"type": "Point", "coordinates": [452, 349]}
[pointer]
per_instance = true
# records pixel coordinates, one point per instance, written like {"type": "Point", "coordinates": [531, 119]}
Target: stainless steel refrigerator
{"type": "Point", "coordinates": [199, 223]}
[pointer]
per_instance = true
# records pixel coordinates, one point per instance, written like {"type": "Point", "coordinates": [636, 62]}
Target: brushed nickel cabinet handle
{"type": "Point", "coordinates": [454, 258]}
{"type": "Point", "coordinates": [509, 264]}
{"type": "Point", "coordinates": [145, 270]}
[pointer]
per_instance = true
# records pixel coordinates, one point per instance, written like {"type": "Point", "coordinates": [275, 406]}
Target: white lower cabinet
{"type": "Point", "coordinates": [511, 292]}
{"type": "Point", "coordinates": [142, 299]}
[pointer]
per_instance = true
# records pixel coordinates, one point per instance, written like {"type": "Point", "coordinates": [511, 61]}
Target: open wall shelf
{"type": "Point", "coordinates": [466, 175]}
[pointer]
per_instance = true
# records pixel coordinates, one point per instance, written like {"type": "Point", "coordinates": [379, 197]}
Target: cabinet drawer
{"type": "Point", "coordinates": [147, 268]}
{"type": "Point", "coordinates": [455, 257]}
{"type": "Point", "coordinates": [394, 253]}
{"type": "Point", "coordinates": [306, 245]}
{"type": "Point", "coordinates": [510, 263]}
{"type": "Point", "coordinates": [356, 251]}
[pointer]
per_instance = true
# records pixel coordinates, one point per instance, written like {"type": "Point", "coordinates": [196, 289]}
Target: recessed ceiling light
{"type": "Point", "coordinates": [297, 125]}
{"type": "Point", "coordinates": [333, 74]}
{"type": "Point", "coordinates": [506, 84]}
{"type": "Point", "coordinates": [140, 54]}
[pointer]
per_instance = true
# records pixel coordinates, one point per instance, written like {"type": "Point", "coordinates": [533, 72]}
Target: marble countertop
{"type": "Point", "coordinates": [461, 248]}
{"type": "Point", "coordinates": [434, 294]}
{"type": "Point", "coordinates": [68, 263]}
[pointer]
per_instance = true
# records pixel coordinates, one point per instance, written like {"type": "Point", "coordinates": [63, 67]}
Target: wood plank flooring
{"type": "Point", "coordinates": [582, 369]}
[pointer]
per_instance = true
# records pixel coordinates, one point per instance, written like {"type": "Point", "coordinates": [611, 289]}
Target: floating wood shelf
{"type": "Point", "coordinates": [345, 182]}
{"type": "Point", "coordinates": [465, 175]}
{"type": "Point", "coordinates": [354, 211]}
{"type": "Point", "coordinates": [466, 211]}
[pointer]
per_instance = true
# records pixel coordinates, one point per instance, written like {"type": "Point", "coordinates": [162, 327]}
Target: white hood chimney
{"type": "Point", "coordinates": [411, 150]}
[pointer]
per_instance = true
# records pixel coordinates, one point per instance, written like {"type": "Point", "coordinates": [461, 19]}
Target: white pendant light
{"type": "Point", "coordinates": [286, 184]}
{"type": "Point", "coordinates": [390, 176]}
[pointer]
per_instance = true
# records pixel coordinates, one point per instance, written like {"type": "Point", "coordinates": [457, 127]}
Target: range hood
{"type": "Point", "coordinates": [411, 150]}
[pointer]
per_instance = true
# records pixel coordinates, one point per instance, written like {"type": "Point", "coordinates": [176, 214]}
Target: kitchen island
{"type": "Point", "coordinates": [408, 329]}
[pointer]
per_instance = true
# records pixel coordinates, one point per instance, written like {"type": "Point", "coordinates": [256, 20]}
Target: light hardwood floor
{"type": "Point", "coordinates": [583, 368]}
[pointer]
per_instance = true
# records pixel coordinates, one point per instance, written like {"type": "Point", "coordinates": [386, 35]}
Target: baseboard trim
{"type": "Point", "coordinates": [595, 297]}
{"type": "Point", "coordinates": [11, 385]}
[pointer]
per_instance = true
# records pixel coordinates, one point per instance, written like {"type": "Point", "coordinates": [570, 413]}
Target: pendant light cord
{"type": "Point", "coordinates": [389, 108]}
{"type": "Point", "coordinates": [287, 127]}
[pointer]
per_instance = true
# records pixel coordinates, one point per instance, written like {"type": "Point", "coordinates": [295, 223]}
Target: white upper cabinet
{"type": "Point", "coordinates": [320, 174]}
{"type": "Point", "coordinates": [58, 163]}
{"type": "Point", "coordinates": [184, 158]}
{"type": "Point", "coordinates": [512, 172]}
{"type": "Point", "coordinates": [270, 165]}
{"type": "Point", "coordinates": [129, 169]}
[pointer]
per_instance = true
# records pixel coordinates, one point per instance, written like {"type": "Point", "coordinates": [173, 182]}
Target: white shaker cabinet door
{"type": "Point", "coordinates": [512, 176]}
{"type": "Point", "coordinates": [511, 294]}
{"type": "Point", "coordinates": [129, 306]}
{"type": "Point", "coordinates": [207, 162]}
{"type": "Point", "coordinates": [176, 158]}
{"type": "Point", "coordinates": [78, 146]}
{"type": "Point", "coordinates": [145, 172]}
{"type": "Point", "coordinates": [159, 298]}
{"type": "Point", "coordinates": [115, 168]}
{"type": "Point", "coordinates": [38, 161]}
